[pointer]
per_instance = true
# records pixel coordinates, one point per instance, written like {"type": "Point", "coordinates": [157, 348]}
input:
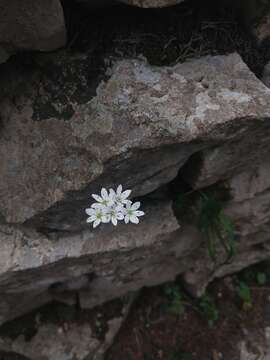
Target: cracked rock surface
{"type": "Point", "coordinates": [61, 140]}
{"type": "Point", "coordinates": [141, 127]}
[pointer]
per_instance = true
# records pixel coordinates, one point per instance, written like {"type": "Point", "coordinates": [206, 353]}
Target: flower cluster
{"type": "Point", "coordinates": [112, 206]}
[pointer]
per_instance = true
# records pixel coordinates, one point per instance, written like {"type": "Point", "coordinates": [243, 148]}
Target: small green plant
{"type": "Point", "coordinates": [175, 299]}
{"type": "Point", "coordinates": [261, 278]}
{"type": "Point", "coordinates": [216, 226]}
{"type": "Point", "coordinates": [244, 294]}
{"type": "Point", "coordinates": [208, 309]}
{"type": "Point", "coordinates": [206, 210]}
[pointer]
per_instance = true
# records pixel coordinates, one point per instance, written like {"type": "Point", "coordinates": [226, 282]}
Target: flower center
{"type": "Point", "coordinates": [99, 215]}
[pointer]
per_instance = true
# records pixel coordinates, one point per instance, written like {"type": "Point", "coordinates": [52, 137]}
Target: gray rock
{"type": "Point", "coordinates": [68, 340]}
{"type": "Point", "coordinates": [234, 155]}
{"type": "Point", "coordinates": [249, 211]}
{"type": "Point", "coordinates": [142, 126]}
{"type": "Point", "coordinates": [31, 25]}
{"type": "Point", "coordinates": [60, 142]}
{"type": "Point", "coordinates": [204, 270]}
{"type": "Point", "coordinates": [99, 265]}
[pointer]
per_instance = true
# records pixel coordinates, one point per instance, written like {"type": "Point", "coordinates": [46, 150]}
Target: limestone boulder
{"type": "Point", "coordinates": [67, 333]}
{"type": "Point", "coordinates": [94, 265]}
{"type": "Point", "coordinates": [249, 211]}
{"type": "Point", "coordinates": [61, 141]}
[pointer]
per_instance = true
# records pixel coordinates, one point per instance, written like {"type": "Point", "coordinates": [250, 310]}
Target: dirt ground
{"type": "Point", "coordinates": [228, 323]}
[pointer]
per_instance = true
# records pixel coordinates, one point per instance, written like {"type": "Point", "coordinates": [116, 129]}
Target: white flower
{"type": "Point", "coordinates": [132, 213]}
{"type": "Point", "coordinates": [119, 196]}
{"type": "Point", "coordinates": [115, 213]}
{"type": "Point", "coordinates": [97, 215]}
{"type": "Point", "coordinates": [113, 206]}
{"type": "Point", "coordinates": [106, 199]}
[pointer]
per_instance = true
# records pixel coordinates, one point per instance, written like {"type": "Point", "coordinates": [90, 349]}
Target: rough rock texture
{"type": "Point", "coordinates": [68, 340]}
{"type": "Point", "coordinates": [60, 141]}
{"type": "Point", "coordinates": [102, 264]}
{"type": "Point", "coordinates": [249, 208]}
{"type": "Point", "coordinates": [141, 127]}
{"type": "Point", "coordinates": [151, 3]}
{"type": "Point", "coordinates": [255, 344]}
{"type": "Point", "coordinates": [31, 25]}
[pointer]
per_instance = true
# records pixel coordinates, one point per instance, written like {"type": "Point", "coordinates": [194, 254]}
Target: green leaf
{"type": "Point", "coordinates": [244, 293]}
{"type": "Point", "coordinates": [261, 278]}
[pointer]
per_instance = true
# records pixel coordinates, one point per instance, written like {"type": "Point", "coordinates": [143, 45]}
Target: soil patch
{"type": "Point", "coordinates": [177, 327]}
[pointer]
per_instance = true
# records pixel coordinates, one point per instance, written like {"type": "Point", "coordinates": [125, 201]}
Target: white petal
{"type": "Point", "coordinates": [128, 204]}
{"type": "Point", "coordinates": [111, 191]}
{"type": "Point", "coordinates": [90, 211]}
{"type": "Point", "coordinates": [97, 197]}
{"type": "Point", "coordinates": [106, 210]}
{"type": "Point", "coordinates": [112, 195]}
{"type": "Point", "coordinates": [134, 219]}
{"type": "Point", "coordinates": [91, 219]}
{"type": "Point", "coordinates": [114, 220]}
{"type": "Point", "coordinates": [126, 219]}
{"type": "Point", "coordinates": [96, 223]}
{"type": "Point", "coordinates": [135, 206]}
{"type": "Point", "coordinates": [138, 213]}
{"type": "Point", "coordinates": [104, 193]}
{"type": "Point", "coordinates": [125, 194]}
{"type": "Point", "coordinates": [97, 206]}
{"type": "Point", "coordinates": [119, 216]}
{"type": "Point", "coordinates": [119, 208]}
{"type": "Point", "coordinates": [119, 190]}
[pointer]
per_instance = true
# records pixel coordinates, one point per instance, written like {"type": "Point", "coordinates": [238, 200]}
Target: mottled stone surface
{"type": "Point", "coordinates": [141, 127]}
{"type": "Point", "coordinates": [249, 211]}
{"type": "Point", "coordinates": [61, 140]}
{"type": "Point", "coordinates": [31, 25]}
{"type": "Point", "coordinates": [233, 156]}
{"type": "Point", "coordinates": [99, 265]}
{"type": "Point", "coordinates": [204, 270]}
{"type": "Point", "coordinates": [76, 340]}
